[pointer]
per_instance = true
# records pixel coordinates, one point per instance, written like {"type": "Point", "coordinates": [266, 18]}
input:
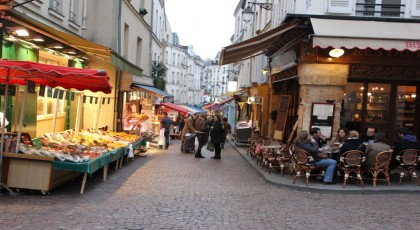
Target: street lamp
{"type": "Point", "coordinates": [248, 13]}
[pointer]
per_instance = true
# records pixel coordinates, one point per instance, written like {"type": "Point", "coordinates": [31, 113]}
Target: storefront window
{"type": "Point", "coordinates": [46, 104]}
{"type": "Point", "coordinates": [352, 106]}
{"type": "Point", "coordinates": [406, 100]}
{"type": "Point", "coordinates": [377, 109]}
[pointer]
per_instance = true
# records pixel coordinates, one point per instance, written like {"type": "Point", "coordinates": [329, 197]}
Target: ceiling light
{"type": "Point", "coordinates": [37, 38]}
{"type": "Point", "coordinates": [70, 51]}
{"type": "Point", "coordinates": [55, 46]}
{"type": "Point", "coordinates": [22, 32]}
{"type": "Point", "coordinates": [336, 53]}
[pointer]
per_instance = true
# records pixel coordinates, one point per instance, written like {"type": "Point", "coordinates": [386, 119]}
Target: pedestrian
{"type": "Point", "coordinates": [216, 135]}
{"type": "Point", "coordinates": [188, 128]}
{"type": "Point", "coordinates": [166, 124]}
{"type": "Point", "coordinates": [226, 130]}
{"type": "Point", "coordinates": [200, 126]}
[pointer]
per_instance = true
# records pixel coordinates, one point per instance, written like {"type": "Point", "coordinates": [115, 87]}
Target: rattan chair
{"type": "Point", "coordinates": [382, 161]}
{"type": "Point", "coordinates": [408, 160]}
{"type": "Point", "coordinates": [351, 162]}
{"type": "Point", "coordinates": [303, 164]}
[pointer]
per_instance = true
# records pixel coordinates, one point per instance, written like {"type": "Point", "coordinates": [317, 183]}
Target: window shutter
{"type": "Point", "coordinates": [415, 7]}
{"type": "Point", "coordinates": [340, 6]}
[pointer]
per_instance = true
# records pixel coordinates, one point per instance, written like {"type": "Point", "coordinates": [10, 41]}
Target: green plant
{"type": "Point", "coordinates": [158, 75]}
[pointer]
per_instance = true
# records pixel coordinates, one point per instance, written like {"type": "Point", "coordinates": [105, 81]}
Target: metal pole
{"type": "Point", "coordinates": [22, 114]}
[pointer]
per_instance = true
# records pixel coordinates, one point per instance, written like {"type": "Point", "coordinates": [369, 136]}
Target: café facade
{"type": "Point", "coordinates": [336, 71]}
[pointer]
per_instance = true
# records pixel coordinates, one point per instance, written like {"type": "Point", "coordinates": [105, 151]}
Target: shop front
{"type": "Point", "coordinates": [373, 84]}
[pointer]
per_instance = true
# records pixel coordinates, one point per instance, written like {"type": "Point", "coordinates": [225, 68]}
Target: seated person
{"type": "Point", "coordinates": [316, 134]}
{"type": "Point", "coordinates": [352, 143]}
{"type": "Point", "coordinates": [406, 140]}
{"type": "Point", "coordinates": [305, 142]}
{"type": "Point", "coordinates": [341, 136]}
{"type": "Point", "coordinates": [369, 135]}
{"type": "Point", "coordinates": [372, 150]}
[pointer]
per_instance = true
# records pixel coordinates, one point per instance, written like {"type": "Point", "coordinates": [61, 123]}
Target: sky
{"type": "Point", "coordinates": [207, 25]}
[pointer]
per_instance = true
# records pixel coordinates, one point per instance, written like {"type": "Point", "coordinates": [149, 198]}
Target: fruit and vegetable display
{"type": "Point", "coordinates": [75, 146]}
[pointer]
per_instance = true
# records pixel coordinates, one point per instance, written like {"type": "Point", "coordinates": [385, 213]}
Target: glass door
{"type": "Point", "coordinates": [406, 101]}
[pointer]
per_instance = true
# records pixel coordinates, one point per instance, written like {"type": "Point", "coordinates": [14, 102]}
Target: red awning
{"type": "Point", "coordinates": [208, 106]}
{"type": "Point", "coordinates": [226, 100]}
{"type": "Point", "coordinates": [18, 72]}
{"type": "Point", "coordinates": [174, 107]}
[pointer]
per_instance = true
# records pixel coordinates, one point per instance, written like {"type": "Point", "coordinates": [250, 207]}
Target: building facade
{"type": "Point", "coordinates": [374, 83]}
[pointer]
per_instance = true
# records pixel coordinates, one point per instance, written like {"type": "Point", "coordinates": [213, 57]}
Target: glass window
{"type": "Point", "coordinates": [46, 103]}
{"type": "Point", "coordinates": [378, 106]}
{"type": "Point", "coordinates": [406, 101]}
{"type": "Point", "coordinates": [350, 116]}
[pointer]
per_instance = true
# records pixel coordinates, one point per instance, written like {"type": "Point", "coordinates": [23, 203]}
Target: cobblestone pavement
{"type": "Point", "coordinates": [173, 190]}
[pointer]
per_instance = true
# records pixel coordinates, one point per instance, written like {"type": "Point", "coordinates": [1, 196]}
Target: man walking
{"type": "Point", "coordinates": [166, 123]}
{"type": "Point", "coordinates": [200, 126]}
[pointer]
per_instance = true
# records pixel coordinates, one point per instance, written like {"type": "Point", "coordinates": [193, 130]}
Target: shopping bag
{"type": "Point", "coordinates": [210, 146]}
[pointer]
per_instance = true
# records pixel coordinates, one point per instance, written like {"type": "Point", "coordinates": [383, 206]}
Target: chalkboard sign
{"type": "Point", "coordinates": [282, 115]}
{"type": "Point", "coordinates": [322, 117]}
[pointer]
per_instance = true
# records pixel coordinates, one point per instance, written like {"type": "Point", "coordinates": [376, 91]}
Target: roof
{"type": "Point", "coordinates": [174, 107]}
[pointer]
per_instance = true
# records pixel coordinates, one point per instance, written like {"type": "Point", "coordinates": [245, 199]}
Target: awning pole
{"type": "Point", "coordinates": [55, 114]}
{"type": "Point", "coordinates": [79, 106]}
{"type": "Point", "coordinates": [98, 112]}
{"type": "Point", "coordinates": [3, 128]}
{"type": "Point", "coordinates": [22, 114]}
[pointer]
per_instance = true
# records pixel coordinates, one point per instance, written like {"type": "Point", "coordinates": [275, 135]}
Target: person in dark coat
{"type": "Point", "coordinates": [200, 131]}
{"type": "Point", "coordinates": [405, 141]}
{"type": "Point", "coordinates": [227, 129]}
{"type": "Point", "coordinates": [216, 135]}
{"type": "Point", "coordinates": [166, 124]}
{"type": "Point", "coordinates": [352, 143]}
{"type": "Point", "coordinates": [305, 142]}
{"type": "Point", "coordinates": [369, 136]}
{"type": "Point", "coordinates": [316, 134]}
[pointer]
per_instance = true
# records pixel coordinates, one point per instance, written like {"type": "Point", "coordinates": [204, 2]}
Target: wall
{"type": "Point", "coordinates": [320, 82]}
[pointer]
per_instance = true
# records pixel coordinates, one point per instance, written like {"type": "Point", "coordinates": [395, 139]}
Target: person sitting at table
{"type": "Point", "coordinates": [369, 135]}
{"type": "Point", "coordinates": [318, 137]}
{"type": "Point", "coordinates": [341, 136]}
{"type": "Point", "coordinates": [372, 150]}
{"type": "Point", "coordinates": [305, 142]}
{"type": "Point", "coordinates": [352, 143]}
{"type": "Point", "coordinates": [405, 141]}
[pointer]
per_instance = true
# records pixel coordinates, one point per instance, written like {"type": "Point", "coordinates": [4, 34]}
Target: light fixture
{"type": "Point", "coordinates": [21, 32]}
{"type": "Point", "coordinates": [69, 51]}
{"type": "Point", "coordinates": [336, 53]}
{"type": "Point", "coordinates": [55, 46]}
{"type": "Point", "coordinates": [264, 71]}
{"type": "Point", "coordinates": [413, 95]}
{"type": "Point", "coordinates": [248, 13]}
{"type": "Point", "coordinates": [37, 38]}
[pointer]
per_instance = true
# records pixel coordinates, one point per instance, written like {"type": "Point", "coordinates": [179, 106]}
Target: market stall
{"type": "Point", "coordinates": [31, 74]}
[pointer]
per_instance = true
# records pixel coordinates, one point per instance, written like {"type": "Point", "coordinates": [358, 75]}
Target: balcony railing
{"type": "Point", "coordinates": [379, 10]}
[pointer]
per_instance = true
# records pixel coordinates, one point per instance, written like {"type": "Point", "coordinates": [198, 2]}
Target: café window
{"type": "Point", "coordinates": [405, 105]}
{"type": "Point", "coordinates": [47, 101]}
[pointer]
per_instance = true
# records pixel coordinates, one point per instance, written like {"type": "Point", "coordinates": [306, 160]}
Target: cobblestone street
{"type": "Point", "coordinates": [172, 190]}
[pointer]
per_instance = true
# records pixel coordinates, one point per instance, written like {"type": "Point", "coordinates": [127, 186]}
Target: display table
{"type": "Point", "coordinates": [33, 172]}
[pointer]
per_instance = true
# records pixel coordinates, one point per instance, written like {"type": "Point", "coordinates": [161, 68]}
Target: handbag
{"type": "Point", "coordinates": [210, 145]}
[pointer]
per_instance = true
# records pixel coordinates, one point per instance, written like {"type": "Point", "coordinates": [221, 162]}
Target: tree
{"type": "Point", "coordinates": [158, 75]}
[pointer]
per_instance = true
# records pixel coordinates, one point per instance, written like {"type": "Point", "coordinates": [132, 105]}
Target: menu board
{"type": "Point", "coordinates": [322, 117]}
{"type": "Point", "coordinates": [282, 115]}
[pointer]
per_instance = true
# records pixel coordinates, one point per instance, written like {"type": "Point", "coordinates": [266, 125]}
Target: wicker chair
{"type": "Point", "coordinates": [351, 162]}
{"type": "Point", "coordinates": [408, 160]}
{"type": "Point", "coordinates": [270, 154]}
{"type": "Point", "coordinates": [382, 161]}
{"type": "Point", "coordinates": [303, 164]}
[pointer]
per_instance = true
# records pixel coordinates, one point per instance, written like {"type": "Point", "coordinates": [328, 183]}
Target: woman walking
{"type": "Point", "coordinates": [216, 135]}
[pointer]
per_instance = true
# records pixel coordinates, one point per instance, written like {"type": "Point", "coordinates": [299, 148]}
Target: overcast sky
{"type": "Point", "coordinates": [207, 25]}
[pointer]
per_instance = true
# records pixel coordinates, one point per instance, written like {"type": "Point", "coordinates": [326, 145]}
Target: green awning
{"type": "Point", "coordinates": [124, 64]}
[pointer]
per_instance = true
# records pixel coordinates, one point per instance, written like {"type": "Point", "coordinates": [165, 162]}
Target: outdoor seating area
{"type": "Point", "coordinates": [292, 164]}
